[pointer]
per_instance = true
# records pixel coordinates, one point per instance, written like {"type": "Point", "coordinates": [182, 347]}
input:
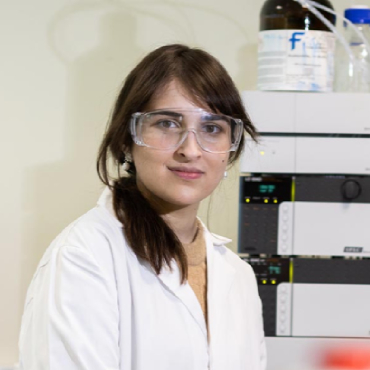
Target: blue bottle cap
{"type": "Point", "coordinates": [358, 14]}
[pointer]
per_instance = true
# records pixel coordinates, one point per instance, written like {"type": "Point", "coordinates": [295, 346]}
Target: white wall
{"type": "Point", "coordinates": [62, 62]}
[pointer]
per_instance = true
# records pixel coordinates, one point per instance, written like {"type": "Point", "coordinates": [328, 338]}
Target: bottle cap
{"type": "Point", "coordinates": [359, 14]}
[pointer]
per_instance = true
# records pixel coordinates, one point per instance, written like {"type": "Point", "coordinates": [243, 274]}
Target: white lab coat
{"type": "Point", "coordinates": [92, 305]}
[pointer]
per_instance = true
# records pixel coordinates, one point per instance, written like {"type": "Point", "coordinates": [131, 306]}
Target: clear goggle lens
{"type": "Point", "coordinates": [167, 129]}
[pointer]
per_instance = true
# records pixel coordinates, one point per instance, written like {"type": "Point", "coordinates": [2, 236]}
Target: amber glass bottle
{"type": "Point", "coordinates": [296, 49]}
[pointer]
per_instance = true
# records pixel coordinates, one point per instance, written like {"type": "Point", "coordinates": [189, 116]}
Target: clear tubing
{"type": "Point", "coordinates": [312, 9]}
{"type": "Point", "coordinates": [349, 23]}
{"type": "Point", "coordinates": [312, 5]}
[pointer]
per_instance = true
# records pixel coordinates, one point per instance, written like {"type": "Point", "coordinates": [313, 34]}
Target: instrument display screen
{"type": "Point", "coordinates": [266, 189]}
{"type": "Point", "coordinates": [270, 271]}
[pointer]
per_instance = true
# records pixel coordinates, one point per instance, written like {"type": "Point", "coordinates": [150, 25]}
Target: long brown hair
{"type": "Point", "coordinates": [205, 79]}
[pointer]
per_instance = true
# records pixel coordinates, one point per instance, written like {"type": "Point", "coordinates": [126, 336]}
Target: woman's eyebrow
{"type": "Point", "coordinates": [213, 117]}
{"type": "Point", "coordinates": [166, 113]}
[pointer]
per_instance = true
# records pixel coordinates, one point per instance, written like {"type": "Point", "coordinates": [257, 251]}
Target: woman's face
{"type": "Point", "coordinates": [183, 176]}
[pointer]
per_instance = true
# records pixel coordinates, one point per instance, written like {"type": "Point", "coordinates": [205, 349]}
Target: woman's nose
{"type": "Point", "coordinates": [190, 147]}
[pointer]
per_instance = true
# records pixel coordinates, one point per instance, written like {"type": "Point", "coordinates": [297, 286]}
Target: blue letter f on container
{"type": "Point", "coordinates": [295, 39]}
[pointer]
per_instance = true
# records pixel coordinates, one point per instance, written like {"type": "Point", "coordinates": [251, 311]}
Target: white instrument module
{"type": "Point", "coordinates": [304, 219]}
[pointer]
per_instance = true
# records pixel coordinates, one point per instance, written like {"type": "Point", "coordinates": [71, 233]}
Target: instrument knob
{"type": "Point", "coordinates": [351, 189]}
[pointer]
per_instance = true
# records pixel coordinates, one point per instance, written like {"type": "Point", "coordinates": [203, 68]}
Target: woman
{"type": "Point", "coordinates": [139, 282]}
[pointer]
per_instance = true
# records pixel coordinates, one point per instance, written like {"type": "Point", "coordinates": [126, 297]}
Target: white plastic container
{"type": "Point", "coordinates": [354, 75]}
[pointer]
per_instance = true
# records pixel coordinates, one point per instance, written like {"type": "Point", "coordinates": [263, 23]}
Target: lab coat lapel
{"type": "Point", "coordinates": [221, 275]}
{"type": "Point", "coordinates": [171, 279]}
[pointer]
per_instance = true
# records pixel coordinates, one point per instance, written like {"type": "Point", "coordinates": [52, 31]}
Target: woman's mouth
{"type": "Point", "coordinates": [186, 173]}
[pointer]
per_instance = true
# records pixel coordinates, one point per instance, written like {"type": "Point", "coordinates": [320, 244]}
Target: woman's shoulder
{"type": "Point", "coordinates": [97, 226]}
{"type": "Point", "coordinates": [97, 234]}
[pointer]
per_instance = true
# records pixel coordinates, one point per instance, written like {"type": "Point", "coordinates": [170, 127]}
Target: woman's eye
{"type": "Point", "coordinates": [212, 129]}
{"type": "Point", "coordinates": [167, 124]}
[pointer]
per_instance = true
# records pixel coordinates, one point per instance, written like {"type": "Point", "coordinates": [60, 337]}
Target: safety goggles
{"type": "Point", "coordinates": [167, 129]}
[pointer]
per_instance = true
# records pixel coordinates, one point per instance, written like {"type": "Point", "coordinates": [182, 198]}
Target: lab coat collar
{"type": "Point", "coordinates": [106, 201]}
{"type": "Point", "coordinates": [220, 276]}
{"type": "Point", "coordinates": [106, 193]}
{"type": "Point", "coordinates": [216, 240]}
{"type": "Point", "coordinates": [171, 279]}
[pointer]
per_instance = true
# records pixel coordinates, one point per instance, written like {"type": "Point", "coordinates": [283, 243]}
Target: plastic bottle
{"type": "Point", "coordinates": [296, 49]}
{"type": "Point", "coordinates": [354, 75]}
